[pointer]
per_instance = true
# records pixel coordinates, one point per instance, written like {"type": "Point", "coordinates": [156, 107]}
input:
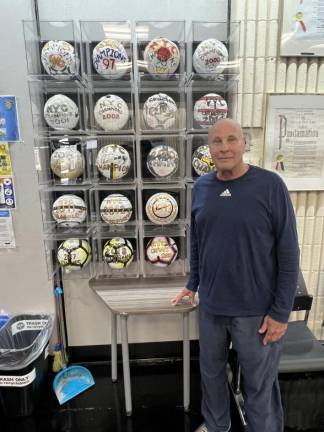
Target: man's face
{"type": "Point", "coordinates": [226, 144]}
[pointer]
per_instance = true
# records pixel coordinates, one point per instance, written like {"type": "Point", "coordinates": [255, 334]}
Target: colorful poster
{"type": "Point", "coordinates": [9, 126]}
{"type": "Point", "coordinates": [5, 161]}
{"type": "Point", "coordinates": [7, 193]}
{"type": "Point", "coordinates": [294, 140]}
{"type": "Point", "coordinates": [302, 28]}
{"type": "Point", "coordinates": [7, 235]}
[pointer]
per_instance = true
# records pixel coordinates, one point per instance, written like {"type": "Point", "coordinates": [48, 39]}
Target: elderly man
{"type": "Point", "coordinates": [244, 261]}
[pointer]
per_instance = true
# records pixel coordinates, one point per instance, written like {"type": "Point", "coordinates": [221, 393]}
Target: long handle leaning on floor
{"type": "Point", "coordinates": [60, 322]}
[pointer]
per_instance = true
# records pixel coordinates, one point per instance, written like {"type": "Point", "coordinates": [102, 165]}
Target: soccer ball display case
{"type": "Point", "coordinates": [66, 209]}
{"type": "Point", "coordinates": [114, 207]}
{"type": "Point", "coordinates": [161, 110]}
{"type": "Point", "coordinates": [63, 160]}
{"type": "Point", "coordinates": [213, 50]}
{"type": "Point", "coordinates": [70, 252]}
{"type": "Point", "coordinates": [120, 114]}
{"type": "Point", "coordinates": [209, 101]}
{"type": "Point", "coordinates": [58, 107]}
{"type": "Point", "coordinates": [52, 50]}
{"type": "Point", "coordinates": [161, 158]}
{"type": "Point", "coordinates": [114, 159]}
{"type": "Point", "coordinates": [111, 110]}
{"type": "Point", "coordinates": [164, 250]}
{"type": "Point", "coordinates": [160, 52]}
{"type": "Point", "coordinates": [162, 204]}
{"type": "Point", "coordinates": [117, 253]}
{"type": "Point", "coordinates": [199, 161]}
{"type": "Point", "coordinates": [107, 51]}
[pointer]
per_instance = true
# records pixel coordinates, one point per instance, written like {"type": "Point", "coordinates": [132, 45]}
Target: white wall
{"type": "Point", "coordinates": [163, 10]}
{"type": "Point", "coordinates": [24, 284]}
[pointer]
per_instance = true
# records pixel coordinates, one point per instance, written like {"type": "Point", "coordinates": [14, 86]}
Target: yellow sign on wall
{"type": "Point", "coordinates": [5, 161]}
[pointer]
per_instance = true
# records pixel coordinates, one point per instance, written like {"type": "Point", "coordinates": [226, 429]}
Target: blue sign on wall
{"type": "Point", "coordinates": [9, 127]}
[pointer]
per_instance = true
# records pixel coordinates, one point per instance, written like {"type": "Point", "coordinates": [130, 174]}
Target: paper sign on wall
{"type": "Point", "coordinates": [5, 160]}
{"type": "Point", "coordinates": [9, 126]}
{"type": "Point", "coordinates": [7, 193]}
{"type": "Point", "coordinates": [7, 235]}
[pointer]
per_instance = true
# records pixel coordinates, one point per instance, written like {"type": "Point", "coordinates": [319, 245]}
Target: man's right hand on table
{"type": "Point", "coordinates": [184, 293]}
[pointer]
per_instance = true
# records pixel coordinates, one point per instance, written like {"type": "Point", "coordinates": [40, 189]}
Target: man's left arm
{"type": "Point", "coordinates": [287, 253]}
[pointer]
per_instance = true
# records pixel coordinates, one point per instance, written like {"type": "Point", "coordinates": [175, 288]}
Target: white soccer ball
{"type": "Point", "coordinates": [202, 161]}
{"type": "Point", "coordinates": [118, 253]}
{"type": "Point", "coordinates": [162, 57]}
{"type": "Point", "coordinates": [67, 163]}
{"type": "Point", "coordinates": [161, 251]}
{"type": "Point", "coordinates": [161, 208]}
{"type": "Point", "coordinates": [110, 59]}
{"type": "Point", "coordinates": [111, 113]}
{"type": "Point", "coordinates": [210, 108]}
{"type": "Point", "coordinates": [69, 211]}
{"type": "Point", "coordinates": [116, 209]}
{"type": "Point", "coordinates": [160, 111]}
{"type": "Point", "coordinates": [74, 254]}
{"type": "Point", "coordinates": [60, 112]}
{"type": "Point", "coordinates": [59, 59]}
{"type": "Point", "coordinates": [209, 58]}
{"type": "Point", "coordinates": [113, 161]}
{"type": "Point", "coordinates": [162, 161]}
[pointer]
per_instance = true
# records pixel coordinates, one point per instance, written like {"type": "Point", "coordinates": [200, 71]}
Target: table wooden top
{"type": "Point", "coordinates": [142, 295]}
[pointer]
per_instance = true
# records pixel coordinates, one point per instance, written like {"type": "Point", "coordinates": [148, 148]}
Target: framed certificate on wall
{"type": "Point", "coordinates": [294, 139]}
{"type": "Point", "coordinates": [302, 32]}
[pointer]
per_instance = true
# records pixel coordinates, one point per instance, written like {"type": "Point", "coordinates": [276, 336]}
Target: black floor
{"type": "Point", "coordinates": [157, 404]}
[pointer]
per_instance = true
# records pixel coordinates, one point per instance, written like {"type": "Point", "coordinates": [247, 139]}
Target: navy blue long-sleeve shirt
{"type": "Point", "coordinates": [244, 245]}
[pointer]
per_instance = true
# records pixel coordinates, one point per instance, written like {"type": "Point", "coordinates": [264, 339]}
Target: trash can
{"type": "Point", "coordinates": [23, 362]}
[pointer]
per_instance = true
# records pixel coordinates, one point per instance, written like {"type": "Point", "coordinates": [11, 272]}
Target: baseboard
{"type": "Point", "coordinates": [137, 351]}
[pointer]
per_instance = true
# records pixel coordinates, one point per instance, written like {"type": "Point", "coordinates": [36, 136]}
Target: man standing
{"type": "Point", "coordinates": [244, 260]}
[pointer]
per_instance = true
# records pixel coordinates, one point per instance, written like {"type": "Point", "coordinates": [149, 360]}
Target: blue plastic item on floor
{"type": "Point", "coordinates": [3, 319]}
{"type": "Point", "coordinates": [72, 381]}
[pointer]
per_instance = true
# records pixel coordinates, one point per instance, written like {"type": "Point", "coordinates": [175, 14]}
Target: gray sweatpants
{"type": "Point", "coordinates": [259, 365]}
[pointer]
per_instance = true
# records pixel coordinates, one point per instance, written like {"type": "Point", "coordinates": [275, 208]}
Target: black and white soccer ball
{"type": "Point", "coordinates": [74, 254]}
{"type": "Point", "coordinates": [118, 253]}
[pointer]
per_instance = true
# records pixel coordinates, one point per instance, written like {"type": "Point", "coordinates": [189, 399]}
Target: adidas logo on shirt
{"type": "Point", "coordinates": [226, 193]}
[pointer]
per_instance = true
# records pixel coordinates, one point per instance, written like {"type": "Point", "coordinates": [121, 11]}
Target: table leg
{"type": "Point", "coordinates": [186, 362]}
{"type": "Point", "coordinates": [127, 383]}
{"type": "Point", "coordinates": [113, 347]}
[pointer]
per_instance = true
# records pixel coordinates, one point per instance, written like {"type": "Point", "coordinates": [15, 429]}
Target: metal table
{"type": "Point", "coordinates": [143, 296]}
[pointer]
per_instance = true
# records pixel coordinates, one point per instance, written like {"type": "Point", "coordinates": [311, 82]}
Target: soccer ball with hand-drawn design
{"type": "Point", "coordinates": [74, 254]}
{"type": "Point", "coordinates": [161, 251]}
{"type": "Point", "coordinates": [162, 161]}
{"type": "Point", "coordinates": [202, 161]}
{"type": "Point", "coordinates": [61, 112]}
{"type": "Point", "coordinates": [209, 58]}
{"type": "Point", "coordinates": [67, 163]}
{"type": "Point", "coordinates": [116, 209]}
{"type": "Point", "coordinates": [118, 253]}
{"type": "Point", "coordinates": [113, 161]}
{"type": "Point", "coordinates": [210, 108]}
{"type": "Point", "coordinates": [69, 211]}
{"type": "Point", "coordinates": [161, 208]}
{"type": "Point", "coordinates": [162, 57]}
{"type": "Point", "coordinates": [59, 59]}
{"type": "Point", "coordinates": [160, 111]}
{"type": "Point", "coordinates": [111, 113]}
{"type": "Point", "coordinates": [110, 59]}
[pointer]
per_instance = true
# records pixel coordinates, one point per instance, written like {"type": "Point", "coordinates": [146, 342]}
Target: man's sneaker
{"type": "Point", "coordinates": [202, 428]}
